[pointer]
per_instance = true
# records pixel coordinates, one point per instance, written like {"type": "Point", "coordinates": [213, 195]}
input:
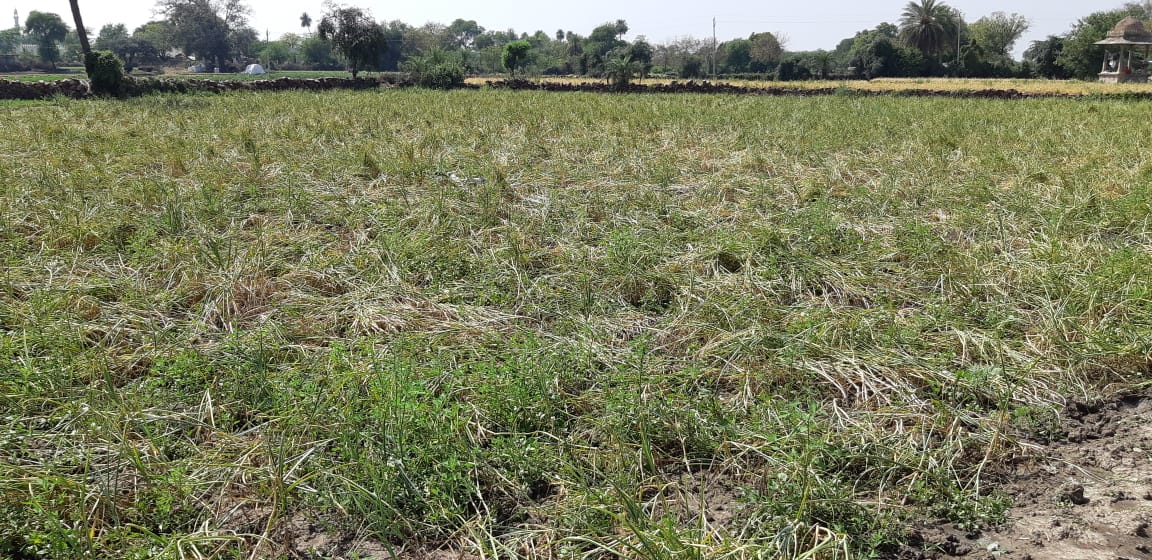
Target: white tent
{"type": "Point", "coordinates": [254, 69]}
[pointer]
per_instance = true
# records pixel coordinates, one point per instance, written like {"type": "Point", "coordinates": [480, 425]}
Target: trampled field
{"type": "Point", "coordinates": [556, 325]}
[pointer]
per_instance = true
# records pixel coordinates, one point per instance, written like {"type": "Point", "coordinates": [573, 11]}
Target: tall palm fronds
{"type": "Point", "coordinates": [929, 26]}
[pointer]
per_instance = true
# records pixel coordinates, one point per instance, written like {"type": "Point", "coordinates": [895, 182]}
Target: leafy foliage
{"type": "Point", "coordinates": [619, 68]}
{"type": "Point", "coordinates": [766, 51]}
{"type": "Point", "coordinates": [877, 54]}
{"type": "Point", "coordinates": [998, 33]}
{"type": "Point", "coordinates": [358, 37]}
{"type": "Point", "coordinates": [48, 30]}
{"type": "Point", "coordinates": [106, 72]}
{"type": "Point", "coordinates": [213, 30]}
{"type": "Point", "coordinates": [929, 26]}
{"type": "Point", "coordinates": [1044, 55]}
{"type": "Point", "coordinates": [515, 55]}
{"type": "Point", "coordinates": [439, 69]}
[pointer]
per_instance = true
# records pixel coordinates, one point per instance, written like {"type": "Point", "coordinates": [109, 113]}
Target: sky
{"type": "Point", "coordinates": [807, 25]}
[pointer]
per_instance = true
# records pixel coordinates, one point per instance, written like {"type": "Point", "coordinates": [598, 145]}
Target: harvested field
{"type": "Point", "coordinates": [477, 324]}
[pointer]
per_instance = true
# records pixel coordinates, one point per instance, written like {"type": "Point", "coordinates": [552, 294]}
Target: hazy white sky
{"type": "Point", "coordinates": [811, 24]}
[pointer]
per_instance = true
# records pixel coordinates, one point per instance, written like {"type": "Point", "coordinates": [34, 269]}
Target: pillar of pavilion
{"type": "Point", "coordinates": [1124, 46]}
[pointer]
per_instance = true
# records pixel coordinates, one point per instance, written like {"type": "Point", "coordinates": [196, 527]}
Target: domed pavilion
{"type": "Point", "coordinates": [1121, 65]}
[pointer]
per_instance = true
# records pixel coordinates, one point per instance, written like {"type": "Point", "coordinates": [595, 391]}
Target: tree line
{"type": "Point", "coordinates": [930, 38]}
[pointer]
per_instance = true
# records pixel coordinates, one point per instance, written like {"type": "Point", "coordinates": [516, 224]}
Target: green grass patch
{"type": "Point", "coordinates": [522, 323]}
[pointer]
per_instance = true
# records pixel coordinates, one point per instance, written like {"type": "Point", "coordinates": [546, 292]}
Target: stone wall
{"type": "Point", "coordinates": [143, 86]}
{"type": "Point", "coordinates": [77, 89]}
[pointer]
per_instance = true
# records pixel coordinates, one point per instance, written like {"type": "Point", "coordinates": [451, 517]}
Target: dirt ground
{"type": "Point", "coordinates": [1089, 496]}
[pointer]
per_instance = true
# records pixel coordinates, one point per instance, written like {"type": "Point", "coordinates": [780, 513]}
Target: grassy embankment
{"type": "Point", "coordinates": [531, 324]}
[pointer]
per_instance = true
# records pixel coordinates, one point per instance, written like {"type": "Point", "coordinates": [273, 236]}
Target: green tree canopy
{"type": "Point", "coordinates": [997, 33]}
{"type": "Point", "coordinates": [515, 55]}
{"type": "Point", "coordinates": [9, 40]}
{"type": "Point", "coordinates": [358, 37]}
{"type": "Point", "coordinates": [929, 26]}
{"type": "Point", "coordinates": [209, 29]}
{"type": "Point", "coordinates": [878, 53]}
{"type": "Point", "coordinates": [735, 56]}
{"type": "Point", "coordinates": [603, 39]}
{"type": "Point", "coordinates": [1044, 56]}
{"type": "Point", "coordinates": [316, 51]}
{"type": "Point", "coordinates": [48, 30]}
{"type": "Point", "coordinates": [275, 53]}
{"type": "Point", "coordinates": [463, 33]}
{"type": "Point", "coordinates": [113, 37]}
{"type": "Point", "coordinates": [767, 51]}
{"type": "Point", "coordinates": [641, 53]}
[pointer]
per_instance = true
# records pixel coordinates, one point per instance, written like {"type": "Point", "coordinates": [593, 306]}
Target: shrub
{"type": "Point", "coordinates": [106, 72]}
{"type": "Point", "coordinates": [437, 70]}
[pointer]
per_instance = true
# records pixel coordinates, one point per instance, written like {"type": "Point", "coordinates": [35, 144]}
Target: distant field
{"type": "Point", "coordinates": [530, 325]}
{"type": "Point", "coordinates": [905, 84]}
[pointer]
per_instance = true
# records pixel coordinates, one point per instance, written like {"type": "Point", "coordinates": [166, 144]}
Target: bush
{"type": "Point", "coordinates": [106, 72]}
{"type": "Point", "coordinates": [436, 70]}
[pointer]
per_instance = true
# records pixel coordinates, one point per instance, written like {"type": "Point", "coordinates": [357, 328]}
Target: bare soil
{"type": "Point", "coordinates": [1085, 497]}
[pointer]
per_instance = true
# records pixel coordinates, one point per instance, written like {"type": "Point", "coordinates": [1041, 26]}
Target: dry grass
{"type": "Point", "coordinates": [533, 325]}
{"type": "Point", "coordinates": [1067, 87]}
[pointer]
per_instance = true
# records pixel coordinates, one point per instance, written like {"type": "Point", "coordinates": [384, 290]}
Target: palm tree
{"type": "Point", "coordinates": [80, 31]}
{"type": "Point", "coordinates": [306, 21]}
{"type": "Point", "coordinates": [619, 68]}
{"type": "Point", "coordinates": [929, 26]}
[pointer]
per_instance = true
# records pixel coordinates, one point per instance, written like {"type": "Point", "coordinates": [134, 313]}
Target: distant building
{"type": "Point", "coordinates": [1121, 66]}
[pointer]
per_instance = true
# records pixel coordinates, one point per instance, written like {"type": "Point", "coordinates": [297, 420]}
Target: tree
{"type": "Point", "coordinates": [306, 21]}
{"type": "Point", "coordinates": [462, 34]}
{"type": "Point", "coordinates": [735, 56]}
{"type": "Point", "coordinates": [673, 54]}
{"type": "Point", "coordinates": [9, 40]}
{"type": "Point", "coordinates": [275, 53]}
{"type": "Point", "coordinates": [792, 69]}
{"type": "Point", "coordinates": [354, 33]}
{"type": "Point", "coordinates": [48, 30]}
{"type": "Point", "coordinates": [1043, 56]}
{"type": "Point", "coordinates": [438, 69]}
{"type": "Point", "coordinates": [516, 55]}
{"type": "Point", "coordinates": [1080, 56]}
{"type": "Point", "coordinates": [619, 68]}
{"type": "Point", "coordinates": [156, 33]}
{"type": "Point", "coordinates": [766, 51]}
{"type": "Point", "coordinates": [81, 32]}
{"type": "Point", "coordinates": [316, 52]}
{"type": "Point", "coordinates": [877, 53]}
{"type": "Point", "coordinates": [603, 39]}
{"type": "Point", "coordinates": [929, 26]}
{"type": "Point", "coordinates": [641, 52]}
{"type": "Point", "coordinates": [210, 29]}
{"type": "Point", "coordinates": [820, 63]}
{"type": "Point", "coordinates": [998, 33]}
{"type": "Point", "coordinates": [692, 67]}
{"type": "Point", "coordinates": [113, 37]}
